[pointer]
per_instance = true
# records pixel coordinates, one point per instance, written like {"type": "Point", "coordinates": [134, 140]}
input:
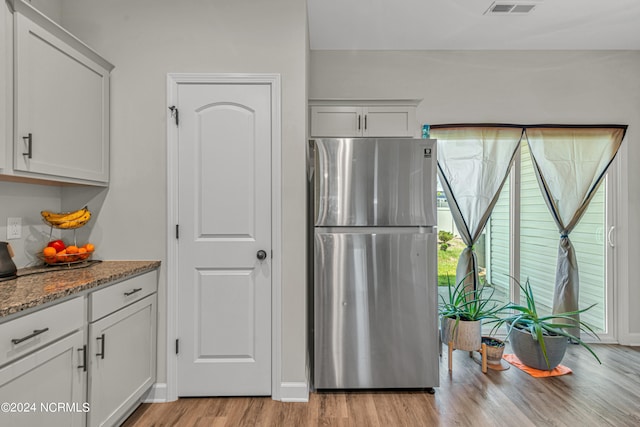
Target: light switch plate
{"type": "Point", "coordinates": [14, 228]}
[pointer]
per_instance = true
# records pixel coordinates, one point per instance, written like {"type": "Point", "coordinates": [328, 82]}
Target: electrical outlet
{"type": "Point", "coordinates": [14, 228]}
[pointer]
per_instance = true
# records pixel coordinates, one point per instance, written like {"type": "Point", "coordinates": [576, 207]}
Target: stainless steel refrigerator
{"type": "Point", "coordinates": [374, 269]}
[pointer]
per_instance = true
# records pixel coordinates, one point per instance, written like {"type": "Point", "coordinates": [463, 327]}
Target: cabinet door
{"type": "Point", "coordinates": [336, 122]}
{"type": "Point", "coordinates": [46, 388]}
{"type": "Point", "coordinates": [389, 121]}
{"type": "Point", "coordinates": [62, 103]}
{"type": "Point", "coordinates": [6, 62]}
{"type": "Point", "coordinates": [122, 350]}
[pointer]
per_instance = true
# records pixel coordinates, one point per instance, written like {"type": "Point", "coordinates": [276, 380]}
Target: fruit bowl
{"type": "Point", "coordinates": [56, 252]}
{"type": "Point", "coordinates": [66, 258]}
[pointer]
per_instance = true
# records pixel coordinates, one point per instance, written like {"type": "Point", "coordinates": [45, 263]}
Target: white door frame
{"type": "Point", "coordinates": [173, 82]}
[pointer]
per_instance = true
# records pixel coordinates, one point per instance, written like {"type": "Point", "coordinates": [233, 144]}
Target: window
{"type": "Point", "coordinates": [521, 220]}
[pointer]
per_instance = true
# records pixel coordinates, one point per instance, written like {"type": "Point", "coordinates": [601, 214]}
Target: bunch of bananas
{"type": "Point", "coordinates": [67, 220]}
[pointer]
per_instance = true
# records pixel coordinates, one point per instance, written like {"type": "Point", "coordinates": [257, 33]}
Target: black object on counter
{"type": "Point", "coordinates": [8, 268]}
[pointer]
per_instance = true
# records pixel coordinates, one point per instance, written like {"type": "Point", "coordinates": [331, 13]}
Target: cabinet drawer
{"type": "Point", "coordinates": [115, 297]}
{"type": "Point", "coordinates": [39, 328]}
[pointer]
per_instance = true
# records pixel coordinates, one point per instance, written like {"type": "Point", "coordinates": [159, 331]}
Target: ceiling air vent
{"type": "Point", "coordinates": [510, 8]}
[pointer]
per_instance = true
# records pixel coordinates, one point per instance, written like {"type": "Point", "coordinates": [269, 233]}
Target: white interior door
{"type": "Point", "coordinates": [224, 215]}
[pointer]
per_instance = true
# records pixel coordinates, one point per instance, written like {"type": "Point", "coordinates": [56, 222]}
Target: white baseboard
{"type": "Point", "coordinates": [632, 339]}
{"type": "Point", "coordinates": [294, 392]}
{"type": "Point", "coordinates": [157, 394]}
{"type": "Point", "coordinates": [289, 392]}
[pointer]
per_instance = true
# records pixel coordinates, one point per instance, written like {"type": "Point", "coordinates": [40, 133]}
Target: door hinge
{"type": "Point", "coordinates": [177, 346]}
{"type": "Point", "coordinates": [177, 231]}
{"type": "Point", "coordinates": [175, 114]}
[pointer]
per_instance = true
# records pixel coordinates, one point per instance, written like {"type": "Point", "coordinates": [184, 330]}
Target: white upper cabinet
{"type": "Point", "coordinates": [389, 121]}
{"type": "Point", "coordinates": [341, 120]}
{"type": "Point", "coordinates": [336, 121]}
{"type": "Point", "coordinates": [6, 52]}
{"type": "Point", "coordinates": [61, 103]}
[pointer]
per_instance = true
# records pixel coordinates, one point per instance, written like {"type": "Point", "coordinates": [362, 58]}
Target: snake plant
{"type": "Point", "coordinates": [527, 318]}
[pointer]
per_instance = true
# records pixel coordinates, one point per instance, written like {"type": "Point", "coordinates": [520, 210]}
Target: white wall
{"type": "Point", "coordinates": [26, 201]}
{"type": "Point", "coordinates": [145, 40]}
{"type": "Point", "coordinates": [51, 8]}
{"type": "Point", "coordinates": [511, 87]}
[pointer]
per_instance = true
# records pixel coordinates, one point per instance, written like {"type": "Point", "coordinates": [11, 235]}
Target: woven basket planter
{"type": "Point", "coordinates": [465, 335]}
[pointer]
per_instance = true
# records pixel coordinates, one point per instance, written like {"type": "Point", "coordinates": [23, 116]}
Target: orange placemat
{"type": "Point", "coordinates": [558, 370]}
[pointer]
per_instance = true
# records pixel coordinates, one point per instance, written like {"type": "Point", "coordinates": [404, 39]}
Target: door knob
{"type": "Point", "coordinates": [262, 255]}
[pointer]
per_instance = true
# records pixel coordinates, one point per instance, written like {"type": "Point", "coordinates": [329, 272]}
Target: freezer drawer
{"type": "Point", "coordinates": [375, 309]}
{"type": "Point", "coordinates": [374, 182]}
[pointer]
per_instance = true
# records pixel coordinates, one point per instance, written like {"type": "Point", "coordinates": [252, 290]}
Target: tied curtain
{"type": "Point", "coordinates": [570, 163]}
{"type": "Point", "coordinates": [473, 163]}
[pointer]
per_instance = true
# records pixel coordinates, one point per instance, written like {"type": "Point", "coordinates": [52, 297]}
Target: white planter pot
{"type": "Point", "coordinates": [465, 335]}
{"type": "Point", "coordinates": [494, 352]}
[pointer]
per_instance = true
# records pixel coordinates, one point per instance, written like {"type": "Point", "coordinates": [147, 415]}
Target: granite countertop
{"type": "Point", "coordinates": [39, 285]}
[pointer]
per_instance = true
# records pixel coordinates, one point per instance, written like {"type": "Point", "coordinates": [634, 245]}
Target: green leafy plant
{"type": "Point", "coordinates": [493, 342]}
{"type": "Point", "coordinates": [444, 237]}
{"type": "Point", "coordinates": [527, 318]}
{"type": "Point", "coordinates": [466, 303]}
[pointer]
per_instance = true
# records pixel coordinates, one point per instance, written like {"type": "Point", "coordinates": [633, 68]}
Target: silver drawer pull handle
{"type": "Point", "coordinates": [34, 334]}
{"type": "Point", "coordinates": [126, 294]}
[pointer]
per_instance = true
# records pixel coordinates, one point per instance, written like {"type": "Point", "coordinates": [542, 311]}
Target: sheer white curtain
{"type": "Point", "coordinates": [570, 163]}
{"type": "Point", "coordinates": [473, 163]}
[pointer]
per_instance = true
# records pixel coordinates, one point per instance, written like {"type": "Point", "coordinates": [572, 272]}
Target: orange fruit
{"type": "Point", "coordinates": [82, 253]}
{"type": "Point", "coordinates": [89, 247]}
{"type": "Point", "coordinates": [62, 256]}
{"type": "Point", "coordinates": [49, 252]}
{"type": "Point", "coordinates": [72, 250]}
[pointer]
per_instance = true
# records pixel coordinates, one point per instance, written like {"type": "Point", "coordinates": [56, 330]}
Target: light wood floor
{"type": "Point", "coordinates": [593, 395]}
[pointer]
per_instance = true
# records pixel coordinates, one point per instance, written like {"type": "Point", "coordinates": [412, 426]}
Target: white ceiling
{"type": "Point", "coordinates": [461, 24]}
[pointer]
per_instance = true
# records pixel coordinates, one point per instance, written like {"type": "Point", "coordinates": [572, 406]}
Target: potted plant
{"type": "Point", "coordinates": [495, 349]}
{"type": "Point", "coordinates": [462, 314]}
{"type": "Point", "coordinates": [541, 341]}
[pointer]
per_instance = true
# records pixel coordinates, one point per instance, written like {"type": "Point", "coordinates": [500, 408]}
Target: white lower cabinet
{"type": "Point", "coordinates": [122, 355]}
{"type": "Point", "coordinates": [45, 384]}
{"type": "Point", "coordinates": [59, 367]}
